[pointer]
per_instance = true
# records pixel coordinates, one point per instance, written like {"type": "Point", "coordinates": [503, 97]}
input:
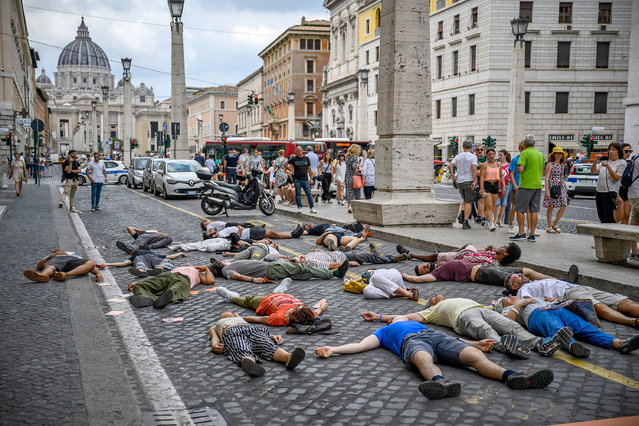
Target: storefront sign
{"type": "Point", "coordinates": [561, 138]}
{"type": "Point", "coordinates": [603, 138]}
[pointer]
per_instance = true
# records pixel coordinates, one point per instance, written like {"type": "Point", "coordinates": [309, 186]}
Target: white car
{"type": "Point", "coordinates": [116, 172]}
{"type": "Point", "coordinates": [581, 181]}
{"type": "Point", "coordinates": [177, 177]}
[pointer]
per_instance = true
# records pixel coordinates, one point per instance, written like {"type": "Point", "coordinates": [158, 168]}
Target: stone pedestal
{"type": "Point", "coordinates": [404, 151]}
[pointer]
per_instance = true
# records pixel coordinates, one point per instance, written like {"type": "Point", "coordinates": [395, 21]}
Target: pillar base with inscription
{"type": "Point", "coordinates": [392, 209]}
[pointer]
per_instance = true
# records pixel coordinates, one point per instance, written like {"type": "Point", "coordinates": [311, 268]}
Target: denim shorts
{"type": "Point", "coordinates": [503, 201]}
{"type": "Point", "coordinates": [442, 347]}
{"type": "Point", "coordinates": [495, 275]}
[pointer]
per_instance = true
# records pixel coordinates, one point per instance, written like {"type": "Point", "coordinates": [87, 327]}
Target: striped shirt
{"type": "Point", "coordinates": [322, 259]}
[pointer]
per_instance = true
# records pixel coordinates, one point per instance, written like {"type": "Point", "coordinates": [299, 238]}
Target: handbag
{"type": "Point", "coordinates": [355, 286]}
{"type": "Point", "coordinates": [358, 182]}
{"type": "Point", "coordinates": [555, 192]}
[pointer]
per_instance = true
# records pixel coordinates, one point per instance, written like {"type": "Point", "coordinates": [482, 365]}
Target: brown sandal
{"type": "Point", "coordinates": [415, 294]}
{"type": "Point", "coordinates": [60, 276]}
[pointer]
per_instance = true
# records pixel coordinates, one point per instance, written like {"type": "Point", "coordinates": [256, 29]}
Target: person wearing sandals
{"type": "Point", "coordinates": [17, 172]}
{"type": "Point", "coordinates": [386, 284]}
{"type": "Point", "coordinates": [352, 165]}
{"type": "Point", "coordinates": [421, 348]}
{"type": "Point", "coordinates": [339, 171]}
{"type": "Point", "coordinates": [61, 265]}
{"type": "Point", "coordinates": [146, 263]}
{"type": "Point", "coordinates": [490, 185]}
{"type": "Point", "coordinates": [555, 179]}
{"type": "Point", "coordinates": [245, 344]}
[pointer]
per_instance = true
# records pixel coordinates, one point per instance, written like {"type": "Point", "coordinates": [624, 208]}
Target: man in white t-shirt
{"type": "Point", "coordinates": [314, 162]}
{"type": "Point", "coordinates": [466, 164]}
{"type": "Point", "coordinates": [96, 172]}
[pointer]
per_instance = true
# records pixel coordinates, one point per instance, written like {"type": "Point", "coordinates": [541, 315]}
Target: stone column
{"type": "Point", "coordinates": [291, 119]}
{"type": "Point", "coordinates": [94, 131]}
{"type": "Point", "coordinates": [127, 113]}
{"type": "Point", "coordinates": [106, 125]}
{"type": "Point", "coordinates": [404, 151]}
{"type": "Point", "coordinates": [631, 102]}
{"type": "Point", "coordinates": [516, 128]}
{"type": "Point", "coordinates": [362, 107]}
{"type": "Point", "coordinates": [178, 92]}
{"type": "Point", "coordinates": [249, 116]}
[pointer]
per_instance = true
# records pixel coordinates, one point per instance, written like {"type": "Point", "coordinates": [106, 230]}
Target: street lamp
{"type": "Point", "coordinates": [178, 83]}
{"type": "Point", "coordinates": [516, 126]}
{"type": "Point", "coordinates": [291, 115]}
{"type": "Point", "coordinates": [291, 97]}
{"type": "Point", "coordinates": [519, 27]}
{"type": "Point", "coordinates": [106, 123]}
{"type": "Point", "coordinates": [127, 110]}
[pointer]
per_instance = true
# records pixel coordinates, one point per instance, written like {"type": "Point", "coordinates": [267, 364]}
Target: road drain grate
{"type": "Point", "coordinates": [196, 416]}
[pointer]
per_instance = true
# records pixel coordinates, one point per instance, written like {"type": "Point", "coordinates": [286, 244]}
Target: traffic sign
{"type": "Point", "coordinates": [164, 126]}
{"type": "Point", "coordinates": [26, 122]}
{"type": "Point", "coordinates": [15, 137]}
{"type": "Point", "coordinates": [4, 129]}
{"type": "Point", "coordinates": [175, 129]}
{"type": "Point", "coordinates": [224, 127]}
{"type": "Point", "coordinates": [37, 125]}
{"type": "Point", "coordinates": [116, 144]}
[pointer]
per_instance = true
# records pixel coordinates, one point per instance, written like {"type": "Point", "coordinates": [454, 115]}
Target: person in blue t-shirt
{"type": "Point", "coordinates": [422, 348]}
{"type": "Point", "coordinates": [230, 166]}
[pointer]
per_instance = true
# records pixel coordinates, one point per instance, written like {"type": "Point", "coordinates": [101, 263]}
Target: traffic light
{"type": "Point", "coordinates": [589, 142]}
{"type": "Point", "coordinates": [40, 140]}
{"type": "Point", "coordinates": [256, 99]}
{"type": "Point", "coordinates": [132, 141]}
{"type": "Point", "coordinates": [454, 145]}
{"type": "Point", "coordinates": [224, 139]}
{"type": "Point", "coordinates": [7, 139]}
{"type": "Point", "coordinates": [167, 142]}
{"type": "Point", "coordinates": [250, 99]}
{"type": "Point", "coordinates": [489, 142]}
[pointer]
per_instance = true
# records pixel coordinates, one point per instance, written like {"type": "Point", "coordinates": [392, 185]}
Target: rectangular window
{"type": "Point", "coordinates": [528, 47]}
{"type": "Point", "coordinates": [454, 107]}
{"type": "Point", "coordinates": [601, 102]}
{"type": "Point", "coordinates": [471, 104]}
{"type": "Point", "coordinates": [605, 13]}
{"type": "Point", "coordinates": [302, 43]}
{"type": "Point", "coordinates": [377, 54]}
{"type": "Point", "coordinates": [368, 57]}
{"type": "Point", "coordinates": [525, 10]}
{"type": "Point", "coordinates": [456, 24]}
{"type": "Point", "coordinates": [561, 103]}
{"type": "Point", "coordinates": [440, 31]}
{"type": "Point", "coordinates": [375, 118]}
{"type": "Point", "coordinates": [309, 66]}
{"type": "Point", "coordinates": [473, 17]}
{"type": "Point", "coordinates": [473, 58]}
{"type": "Point", "coordinates": [309, 85]}
{"type": "Point", "coordinates": [565, 13]}
{"type": "Point", "coordinates": [309, 108]}
{"type": "Point", "coordinates": [142, 99]}
{"type": "Point", "coordinates": [376, 83]}
{"type": "Point", "coordinates": [154, 128]}
{"type": "Point", "coordinates": [438, 108]}
{"type": "Point", "coordinates": [222, 104]}
{"type": "Point", "coordinates": [456, 62]}
{"type": "Point", "coordinates": [439, 67]}
{"type": "Point", "coordinates": [309, 44]}
{"type": "Point", "coordinates": [527, 103]}
{"type": "Point", "coordinates": [563, 54]}
{"type": "Point", "coordinates": [367, 26]}
{"type": "Point", "coordinates": [318, 44]}
{"type": "Point", "coordinates": [603, 52]}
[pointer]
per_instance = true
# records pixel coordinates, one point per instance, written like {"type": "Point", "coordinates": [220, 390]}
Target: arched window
{"type": "Point", "coordinates": [377, 22]}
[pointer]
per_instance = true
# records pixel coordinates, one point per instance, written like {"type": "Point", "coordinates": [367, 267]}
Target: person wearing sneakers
{"type": "Point", "coordinates": [174, 287]}
{"type": "Point", "coordinates": [244, 344]}
{"type": "Point", "coordinates": [70, 171]}
{"type": "Point", "coordinates": [556, 195]}
{"type": "Point", "coordinates": [146, 263]}
{"type": "Point", "coordinates": [420, 347]}
{"type": "Point", "coordinates": [300, 166]}
{"type": "Point", "coordinates": [490, 186]}
{"type": "Point", "coordinates": [144, 240]}
{"type": "Point", "coordinates": [333, 259]}
{"type": "Point", "coordinates": [530, 167]}
{"type": "Point", "coordinates": [466, 164]}
{"type": "Point", "coordinates": [545, 319]}
{"type": "Point", "coordinates": [503, 255]}
{"type": "Point", "coordinates": [277, 308]}
{"type": "Point", "coordinates": [259, 271]}
{"type": "Point", "coordinates": [60, 265]}
{"type": "Point", "coordinates": [352, 229]}
{"type": "Point", "coordinates": [474, 320]}
{"type": "Point", "coordinates": [254, 233]}
{"type": "Point", "coordinates": [338, 241]}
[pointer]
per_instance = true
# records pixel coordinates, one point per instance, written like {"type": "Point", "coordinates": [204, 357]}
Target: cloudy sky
{"type": "Point", "coordinates": [221, 37]}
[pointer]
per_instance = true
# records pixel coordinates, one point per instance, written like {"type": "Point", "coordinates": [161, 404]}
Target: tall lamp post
{"type": "Point", "coordinates": [516, 110]}
{"type": "Point", "coordinates": [178, 83]}
{"type": "Point", "coordinates": [106, 124]}
{"type": "Point", "coordinates": [95, 146]}
{"type": "Point", "coordinates": [291, 116]}
{"type": "Point", "coordinates": [83, 120]}
{"type": "Point", "coordinates": [128, 112]}
{"type": "Point", "coordinates": [362, 125]}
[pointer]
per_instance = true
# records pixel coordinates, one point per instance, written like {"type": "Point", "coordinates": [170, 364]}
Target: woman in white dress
{"type": "Point", "coordinates": [17, 172]}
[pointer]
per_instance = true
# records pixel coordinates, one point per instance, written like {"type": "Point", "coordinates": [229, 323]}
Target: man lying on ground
{"type": "Point", "coordinates": [338, 241]}
{"type": "Point", "coordinates": [243, 343]}
{"type": "Point", "coordinates": [144, 240]}
{"type": "Point", "coordinates": [219, 225]}
{"type": "Point", "coordinates": [174, 287]}
{"type": "Point", "coordinates": [472, 319]}
{"type": "Point", "coordinates": [254, 233]}
{"type": "Point", "coordinates": [351, 230]}
{"type": "Point", "coordinates": [504, 255]}
{"type": "Point", "coordinates": [276, 309]}
{"type": "Point", "coordinates": [545, 319]}
{"type": "Point", "coordinates": [333, 259]}
{"type": "Point", "coordinates": [259, 250]}
{"type": "Point", "coordinates": [259, 271]}
{"type": "Point", "coordinates": [419, 347]}
{"type": "Point", "coordinates": [147, 263]}
{"type": "Point", "coordinates": [60, 265]}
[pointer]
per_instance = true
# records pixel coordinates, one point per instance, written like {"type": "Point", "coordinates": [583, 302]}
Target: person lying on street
{"type": "Point", "coordinates": [144, 240]}
{"type": "Point", "coordinates": [333, 259]}
{"type": "Point", "coordinates": [259, 271]}
{"type": "Point", "coordinates": [386, 284]}
{"type": "Point", "coordinates": [337, 241]}
{"type": "Point", "coordinates": [210, 245]}
{"type": "Point", "coordinates": [546, 318]}
{"type": "Point", "coordinates": [61, 265]}
{"type": "Point", "coordinates": [146, 263]}
{"type": "Point", "coordinates": [245, 344]}
{"type": "Point", "coordinates": [504, 255]}
{"type": "Point", "coordinates": [174, 287]}
{"type": "Point", "coordinates": [260, 250]}
{"type": "Point", "coordinates": [277, 308]}
{"type": "Point", "coordinates": [472, 319]}
{"type": "Point", "coordinates": [219, 225]}
{"type": "Point", "coordinates": [254, 233]}
{"type": "Point", "coordinates": [608, 306]}
{"type": "Point", "coordinates": [351, 230]}
{"type": "Point", "coordinates": [422, 349]}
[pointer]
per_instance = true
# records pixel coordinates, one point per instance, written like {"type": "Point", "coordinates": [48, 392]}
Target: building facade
{"type": "Point", "coordinates": [206, 110]}
{"type": "Point", "coordinates": [250, 101]}
{"type": "Point", "coordinates": [368, 17]}
{"type": "Point", "coordinates": [575, 78]}
{"type": "Point", "coordinates": [149, 127]}
{"type": "Point", "coordinates": [293, 65]}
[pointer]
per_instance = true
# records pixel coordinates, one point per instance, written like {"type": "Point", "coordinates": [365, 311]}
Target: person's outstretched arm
{"type": "Point", "coordinates": [258, 319]}
{"type": "Point", "coordinates": [426, 278]}
{"type": "Point", "coordinates": [367, 344]}
{"type": "Point", "coordinates": [372, 316]}
{"type": "Point", "coordinates": [216, 345]}
{"type": "Point", "coordinates": [119, 264]}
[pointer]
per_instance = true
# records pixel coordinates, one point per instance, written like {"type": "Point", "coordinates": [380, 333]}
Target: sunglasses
{"type": "Point", "coordinates": [627, 151]}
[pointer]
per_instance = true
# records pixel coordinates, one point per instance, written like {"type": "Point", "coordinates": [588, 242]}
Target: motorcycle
{"type": "Point", "coordinates": [218, 195]}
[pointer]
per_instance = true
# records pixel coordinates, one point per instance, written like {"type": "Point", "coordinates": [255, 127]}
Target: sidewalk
{"type": "Point", "coordinates": [551, 254]}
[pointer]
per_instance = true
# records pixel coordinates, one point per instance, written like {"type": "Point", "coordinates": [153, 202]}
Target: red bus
{"type": "Point", "coordinates": [335, 145]}
{"type": "Point", "coordinates": [268, 148]}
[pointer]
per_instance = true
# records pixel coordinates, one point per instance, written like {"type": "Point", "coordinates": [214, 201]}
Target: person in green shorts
{"type": "Point", "coordinates": [175, 287]}
{"type": "Point", "coordinates": [259, 271]}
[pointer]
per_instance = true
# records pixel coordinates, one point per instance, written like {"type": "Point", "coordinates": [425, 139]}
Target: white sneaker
{"type": "Point", "coordinates": [299, 210]}
{"type": "Point", "coordinates": [313, 211]}
{"type": "Point", "coordinates": [492, 227]}
{"type": "Point", "coordinates": [283, 287]}
{"type": "Point", "coordinates": [74, 210]}
{"type": "Point", "coordinates": [226, 293]}
{"type": "Point", "coordinates": [511, 229]}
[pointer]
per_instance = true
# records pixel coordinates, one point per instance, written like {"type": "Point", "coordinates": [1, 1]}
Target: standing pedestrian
{"type": "Point", "coordinates": [633, 200]}
{"type": "Point", "coordinates": [244, 161]}
{"type": "Point", "coordinates": [622, 214]}
{"type": "Point", "coordinates": [42, 161]}
{"type": "Point", "coordinates": [199, 158]}
{"type": "Point", "coordinates": [29, 163]}
{"type": "Point", "coordinates": [70, 171]}
{"type": "Point", "coordinates": [280, 170]}
{"type": "Point", "coordinates": [352, 163]}
{"type": "Point", "coordinates": [479, 212]}
{"type": "Point", "coordinates": [300, 165]}
{"type": "Point", "coordinates": [610, 169]}
{"type": "Point", "coordinates": [326, 168]}
{"type": "Point", "coordinates": [514, 186]}
{"type": "Point", "coordinates": [230, 166]}
{"type": "Point", "coordinates": [256, 163]}
{"type": "Point", "coordinates": [556, 195]}
{"type": "Point", "coordinates": [4, 170]}
{"type": "Point", "coordinates": [465, 180]}
{"type": "Point", "coordinates": [96, 172]}
{"type": "Point", "coordinates": [210, 164]}
{"type": "Point", "coordinates": [314, 163]}
{"type": "Point", "coordinates": [18, 172]}
{"type": "Point", "coordinates": [339, 171]}
{"type": "Point", "coordinates": [530, 167]}
{"type": "Point", "coordinates": [503, 202]}
{"type": "Point", "coordinates": [491, 184]}
{"type": "Point", "coordinates": [368, 173]}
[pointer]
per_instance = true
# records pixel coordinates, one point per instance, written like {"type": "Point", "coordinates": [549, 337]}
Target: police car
{"type": "Point", "coordinates": [581, 181]}
{"type": "Point", "coordinates": [116, 172]}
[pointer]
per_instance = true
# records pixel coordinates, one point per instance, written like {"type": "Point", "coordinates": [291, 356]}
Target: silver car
{"type": "Point", "coordinates": [136, 170]}
{"type": "Point", "coordinates": [581, 181]}
{"type": "Point", "coordinates": [148, 175]}
{"type": "Point", "coordinates": [177, 177]}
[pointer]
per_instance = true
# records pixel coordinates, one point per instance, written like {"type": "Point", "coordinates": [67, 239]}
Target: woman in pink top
{"type": "Point", "coordinates": [491, 181]}
{"type": "Point", "coordinates": [504, 193]}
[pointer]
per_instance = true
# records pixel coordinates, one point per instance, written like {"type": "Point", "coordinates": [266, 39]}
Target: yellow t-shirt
{"type": "Point", "coordinates": [447, 311]}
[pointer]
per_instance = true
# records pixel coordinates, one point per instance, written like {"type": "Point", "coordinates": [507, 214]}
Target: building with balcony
{"type": "Point", "coordinates": [250, 105]}
{"type": "Point", "coordinates": [206, 109]}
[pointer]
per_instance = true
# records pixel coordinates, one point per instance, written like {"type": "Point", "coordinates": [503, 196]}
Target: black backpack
{"type": "Point", "coordinates": [626, 177]}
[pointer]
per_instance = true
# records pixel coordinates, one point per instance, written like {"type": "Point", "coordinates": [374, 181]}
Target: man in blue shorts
{"type": "Point", "coordinates": [423, 348]}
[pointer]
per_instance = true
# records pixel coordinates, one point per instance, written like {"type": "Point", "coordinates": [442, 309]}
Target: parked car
{"type": "Point", "coordinates": [116, 172]}
{"type": "Point", "coordinates": [177, 177]}
{"type": "Point", "coordinates": [148, 174]}
{"type": "Point", "coordinates": [136, 169]}
{"type": "Point", "coordinates": [581, 181]}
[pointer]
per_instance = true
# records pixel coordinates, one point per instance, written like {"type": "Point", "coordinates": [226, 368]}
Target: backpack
{"type": "Point", "coordinates": [626, 177]}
